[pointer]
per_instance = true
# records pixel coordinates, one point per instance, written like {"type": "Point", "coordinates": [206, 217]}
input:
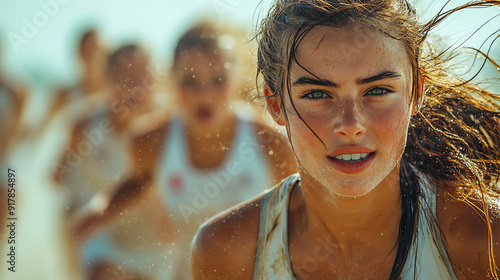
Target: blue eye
{"type": "Point", "coordinates": [378, 91]}
{"type": "Point", "coordinates": [315, 95]}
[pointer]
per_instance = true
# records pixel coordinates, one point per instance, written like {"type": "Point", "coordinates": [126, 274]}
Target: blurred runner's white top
{"type": "Point", "coordinates": [192, 195]}
{"type": "Point", "coordinates": [273, 261]}
{"type": "Point", "coordinates": [100, 162]}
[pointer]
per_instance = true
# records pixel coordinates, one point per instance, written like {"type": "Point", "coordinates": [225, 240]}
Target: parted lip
{"type": "Point", "coordinates": [350, 150]}
{"type": "Point", "coordinates": [203, 113]}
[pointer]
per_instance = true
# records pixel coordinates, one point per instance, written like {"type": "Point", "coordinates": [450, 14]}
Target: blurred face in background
{"type": "Point", "coordinates": [92, 54]}
{"type": "Point", "coordinates": [131, 78]}
{"type": "Point", "coordinates": [203, 87]}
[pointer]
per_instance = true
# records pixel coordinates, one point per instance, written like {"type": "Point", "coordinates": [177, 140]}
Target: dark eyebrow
{"type": "Point", "coordinates": [327, 83]}
{"type": "Point", "coordinates": [381, 76]}
{"type": "Point", "coordinates": [316, 82]}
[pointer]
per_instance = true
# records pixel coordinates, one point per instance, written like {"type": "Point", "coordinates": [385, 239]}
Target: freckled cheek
{"type": "Point", "coordinates": [391, 125]}
{"type": "Point", "coordinates": [306, 144]}
{"type": "Point", "coordinates": [318, 118]}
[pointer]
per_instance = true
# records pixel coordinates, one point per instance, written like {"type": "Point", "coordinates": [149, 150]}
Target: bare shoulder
{"type": "Point", "coordinates": [17, 91]}
{"type": "Point", "coordinates": [61, 98]}
{"type": "Point", "coordinates": [147, 148]}
{"type": "Point", "coordinates": [151, 137]}
{"type": "Point", "coordinates": [466, 236]}
{"type": "Point", "coordinates": [225, 246]}
{"type": "Point", "coordinates": [276, 148]}
{"type": "Point", "coordinates": [155, 120]}
{"type": "Point", "coordinates": [269, 136]}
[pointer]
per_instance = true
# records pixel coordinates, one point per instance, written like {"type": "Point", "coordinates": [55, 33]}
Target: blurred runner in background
{"type": "Point", "coordinates": [206, 157]}
{"type": "Point", "coordinates": [12, 105]}
{"type": "Point", "coordinates": [93, 81]}
{"type": "Point", "coordinates": [97, 160]}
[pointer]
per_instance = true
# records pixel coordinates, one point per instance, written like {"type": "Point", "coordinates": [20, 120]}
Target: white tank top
{"type": "Point", "coordinates": [192, 195]}
{"type": "Point", "coordinates": [98, 163]}
{"type": "Point", "coordinates": [273, 260]}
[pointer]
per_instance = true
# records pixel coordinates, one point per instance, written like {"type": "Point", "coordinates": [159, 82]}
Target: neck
{"type": "Point", "coordinates": [361, 226]}
{"type": "Point", "coordinates": [211, 146]}
{"type": "Point", "coordinates": [219, 132]}
{"type": "Point", "coordinates": [92, 81]}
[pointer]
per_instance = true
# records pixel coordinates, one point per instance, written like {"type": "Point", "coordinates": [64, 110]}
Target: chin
{"type": "Point", "coordinates": [207, 126]}
{"type": "Point", "coordinates": [347, 186]}
{"type": "Point", "coordinates": [351, 192]}
{"type": "Point", "coordinates": [351, 188]}
{"type": "Point", "coordinates": [360, 184]}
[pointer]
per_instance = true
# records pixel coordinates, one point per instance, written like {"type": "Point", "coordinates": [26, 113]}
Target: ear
{"type": "Point", "coordinates": [273, 106]}
{"type": "Point", "coordinates": [417, 103]}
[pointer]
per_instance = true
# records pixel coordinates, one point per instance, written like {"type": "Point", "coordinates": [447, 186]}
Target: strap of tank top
{"type": "Point", "coordinates": [173, 147]}
{"type": "Point", "coordinates": [429, 193]}
{"type": "Point", "coordinates": [242, 130]}
{"type": "Point", "coordinates": [273, 219]}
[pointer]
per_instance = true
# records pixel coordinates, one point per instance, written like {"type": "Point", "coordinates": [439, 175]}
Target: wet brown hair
{"type": "Point", "coordinates": [122, 54]}
{"type": "Point", "coordinates": [88, 35]}
{"type": "Point", "coordinates": [204, 36]}
{"type": "Point", "coordinates": [454, 139]}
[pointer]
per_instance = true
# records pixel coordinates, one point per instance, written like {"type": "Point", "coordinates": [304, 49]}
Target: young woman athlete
{"type": "Point", "coordinates": [398, 159]}
{"type": "Point", "coordinates": [95, 162]}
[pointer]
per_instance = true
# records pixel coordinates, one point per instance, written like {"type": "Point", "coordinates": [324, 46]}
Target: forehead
{"type": "Point", "coordinates": [131, 62]}
{"type": "Point", "coordinates": [353, 51]}
{"type": "Point", "coordinates": [88, 41]}
{"type": "Point", "coordinates": [195, 60]}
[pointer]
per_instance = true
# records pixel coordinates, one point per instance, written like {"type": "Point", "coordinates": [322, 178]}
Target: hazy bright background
{"type": "Point", "coordinates": [50, 52]}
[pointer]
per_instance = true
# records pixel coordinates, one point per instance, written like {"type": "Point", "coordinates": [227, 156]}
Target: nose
{"type": "Point", "coordinates": [205, 92]}
{"type": "Point", "coordinates": [349, 123]}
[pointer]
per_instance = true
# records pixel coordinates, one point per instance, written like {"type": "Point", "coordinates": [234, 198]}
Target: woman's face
{"type": "Point", "coordinates": [203, 88]}
{"type": "Point", "coordinates": [358, 105]}
{"type": "Point", "coordinates": [132, 79]}
{"type": "Point", "coordinates": [92, 53]}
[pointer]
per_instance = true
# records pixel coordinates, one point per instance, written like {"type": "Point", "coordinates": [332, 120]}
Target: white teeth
{"type": "Point", "coordinates": [352, 157]}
